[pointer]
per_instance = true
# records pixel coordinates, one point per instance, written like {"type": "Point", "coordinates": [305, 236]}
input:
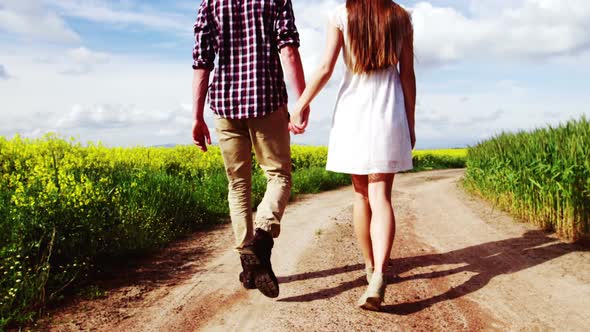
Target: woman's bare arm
{"type": "Point", "coordinates": [408, 79]}
{"type": "Point", "coordinates": [320, 77]}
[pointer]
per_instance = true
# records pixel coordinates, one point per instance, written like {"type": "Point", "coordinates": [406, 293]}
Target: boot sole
{"type": "Point", "coordinates": [263, 279]}
{"type": "Point", "coordinates": [245, 283]}
{"type": "Point", "coordinates": [266, 285]}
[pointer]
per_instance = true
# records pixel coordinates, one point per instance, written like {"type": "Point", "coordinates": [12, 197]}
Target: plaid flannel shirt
{"type": "Point", "coordinates": [246, 36]}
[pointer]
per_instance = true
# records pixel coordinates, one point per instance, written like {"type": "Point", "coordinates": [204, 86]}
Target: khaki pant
{"type": "Point", "coordinates": [270, 138]}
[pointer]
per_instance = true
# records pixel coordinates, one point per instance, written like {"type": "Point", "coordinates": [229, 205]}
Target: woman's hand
{"type": "Point", "coordinates": [299, 121]}
{"type": "Point", "coordinates": [300, 116]}
{"type": "Point", "coordinates": [413, 138]}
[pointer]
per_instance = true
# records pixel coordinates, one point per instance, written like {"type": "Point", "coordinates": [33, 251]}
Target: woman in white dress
{"type": "Point", "coordinates": [372, 133]}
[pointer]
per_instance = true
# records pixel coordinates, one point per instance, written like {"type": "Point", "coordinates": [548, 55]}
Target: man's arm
{"type": "Point", "coordinates": [201, 136]}
{"type": "Point", "coordinates": [204, 57]}
{"type": "Point", "coordinates": [293, 67]}
{"type": "Point", "coordinates": [288, 45]}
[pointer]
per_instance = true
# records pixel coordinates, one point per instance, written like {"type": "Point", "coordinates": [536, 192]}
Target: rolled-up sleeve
{"type": "Point", "coordinates": [204, 50]}
{"type": "Point", "coordinates": [287, 33]}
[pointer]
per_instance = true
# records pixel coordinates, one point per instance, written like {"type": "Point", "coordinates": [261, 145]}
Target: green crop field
{"type": "Point", "coordinates": [542, 176]}
{"type": "Point", "coordinates": [67, 209]}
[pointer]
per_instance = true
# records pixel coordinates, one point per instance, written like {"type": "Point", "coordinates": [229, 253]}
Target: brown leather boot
{"type": "Point", "coordinates": [264, 277]}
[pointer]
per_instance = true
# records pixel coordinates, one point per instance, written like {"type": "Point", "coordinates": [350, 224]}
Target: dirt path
{"type": "Point", "coordinates": [457, 265]}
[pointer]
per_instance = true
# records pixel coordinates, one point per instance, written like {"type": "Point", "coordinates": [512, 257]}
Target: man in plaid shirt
{"type": "Point", "coordinates": [250, 39]}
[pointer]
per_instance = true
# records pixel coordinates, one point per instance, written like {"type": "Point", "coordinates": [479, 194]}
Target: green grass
{"type": "Point", "coordinates": [542, 177]}
{"type": "Point", "coordinates": [67, 209]}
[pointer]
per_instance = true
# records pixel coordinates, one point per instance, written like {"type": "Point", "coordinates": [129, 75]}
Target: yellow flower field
{"type": "Point", "coordinates": [68, 208]}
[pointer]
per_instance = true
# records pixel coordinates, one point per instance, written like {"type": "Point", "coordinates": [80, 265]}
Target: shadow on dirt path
{"type": "Point", "coordinates": [486, 261]}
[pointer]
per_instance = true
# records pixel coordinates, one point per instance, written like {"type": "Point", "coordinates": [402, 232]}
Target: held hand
{"type": "Point", "coordinates": [299, 121]}
{"type": "Point", "coordinates": [201, 135]}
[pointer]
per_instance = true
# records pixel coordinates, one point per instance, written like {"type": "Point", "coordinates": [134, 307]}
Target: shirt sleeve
{"type": "Point", "coordinates": [287, 33]}
{"type": "Point", "coordinates": [204, 50]}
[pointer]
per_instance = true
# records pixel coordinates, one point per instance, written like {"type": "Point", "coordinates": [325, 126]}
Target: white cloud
{"type": "Point", "coordinates": [24, 123]}
{"type": "Point", "coordinates": [126, 101]}
{"type": "Point", "coordinates": [80, 61]}
{"type": "Point", "coordinates": [74, 61]}
{"type": "Point", "coordinates": [311, 20]}
{"type": "Point", "coordinates": [84, 55]}
{"type": "Point", "coordinates": [143, 99]}
{"type": "Point", "coordinates": [124, 13]}
{"type": "Point", "coordinates": [3, 73]}
{"type": "Point", "coordinates": [537, 29]}
{"type": "Point", "coordinates": [468, 116]}
{"type": "Point", "coordinates": [110, 116]}
{"type": "Point", "coordinates": [30, 19]}
{"type": "Point", "coordinates": [113, 123]}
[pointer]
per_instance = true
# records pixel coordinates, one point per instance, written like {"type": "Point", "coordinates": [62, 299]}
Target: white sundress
{"type": "Point", "coordinates": [370, 132]}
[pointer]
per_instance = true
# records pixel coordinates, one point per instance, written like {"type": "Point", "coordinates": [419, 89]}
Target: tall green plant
{"type": "Point", "coordinates": [541, 176]}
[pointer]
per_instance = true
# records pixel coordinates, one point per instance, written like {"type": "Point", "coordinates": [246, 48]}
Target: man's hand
{"type": "Point", "coordinates": [413, 138]}
{"type": "Point", "coordinates": [201, 135]}
{"type": "Point", "coordinates": [299, 121]}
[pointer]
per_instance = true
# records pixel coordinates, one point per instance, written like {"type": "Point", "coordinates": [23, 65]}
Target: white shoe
{"type": "Point", "coordinates": [373, 296]}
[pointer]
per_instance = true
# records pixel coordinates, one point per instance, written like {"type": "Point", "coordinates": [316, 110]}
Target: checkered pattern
{"type": "Point", "coordinates": [246, 36]}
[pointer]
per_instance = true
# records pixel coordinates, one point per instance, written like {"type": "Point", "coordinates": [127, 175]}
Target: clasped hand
{"type": "Point", "coordinates": [299, 120]}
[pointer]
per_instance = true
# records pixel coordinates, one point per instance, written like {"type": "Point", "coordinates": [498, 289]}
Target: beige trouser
{"type": "Point", "coordinates": [270, 138]}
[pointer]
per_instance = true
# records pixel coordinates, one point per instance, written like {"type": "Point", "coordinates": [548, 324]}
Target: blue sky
{"type": "Point", "coordinates": [119, 71]}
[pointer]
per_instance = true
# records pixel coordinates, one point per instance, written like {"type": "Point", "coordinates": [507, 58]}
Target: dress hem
{"type": "Point", "coordinates": [369, 171]}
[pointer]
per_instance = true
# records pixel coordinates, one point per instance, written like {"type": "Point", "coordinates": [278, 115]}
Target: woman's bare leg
{"type": "Point", "coordinates": [361, 217]}
{"type": "Point", "coordinates": [383, 219]}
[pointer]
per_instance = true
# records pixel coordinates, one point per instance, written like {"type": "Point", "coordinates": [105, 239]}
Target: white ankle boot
{"type": "Point", "coordinates": [369, 272]}
{"type": "Point", "coordinates": [373, 296]}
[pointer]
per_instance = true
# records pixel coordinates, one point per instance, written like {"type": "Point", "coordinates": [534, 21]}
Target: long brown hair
{"type": "Point", "coordinates": [376, 31]}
